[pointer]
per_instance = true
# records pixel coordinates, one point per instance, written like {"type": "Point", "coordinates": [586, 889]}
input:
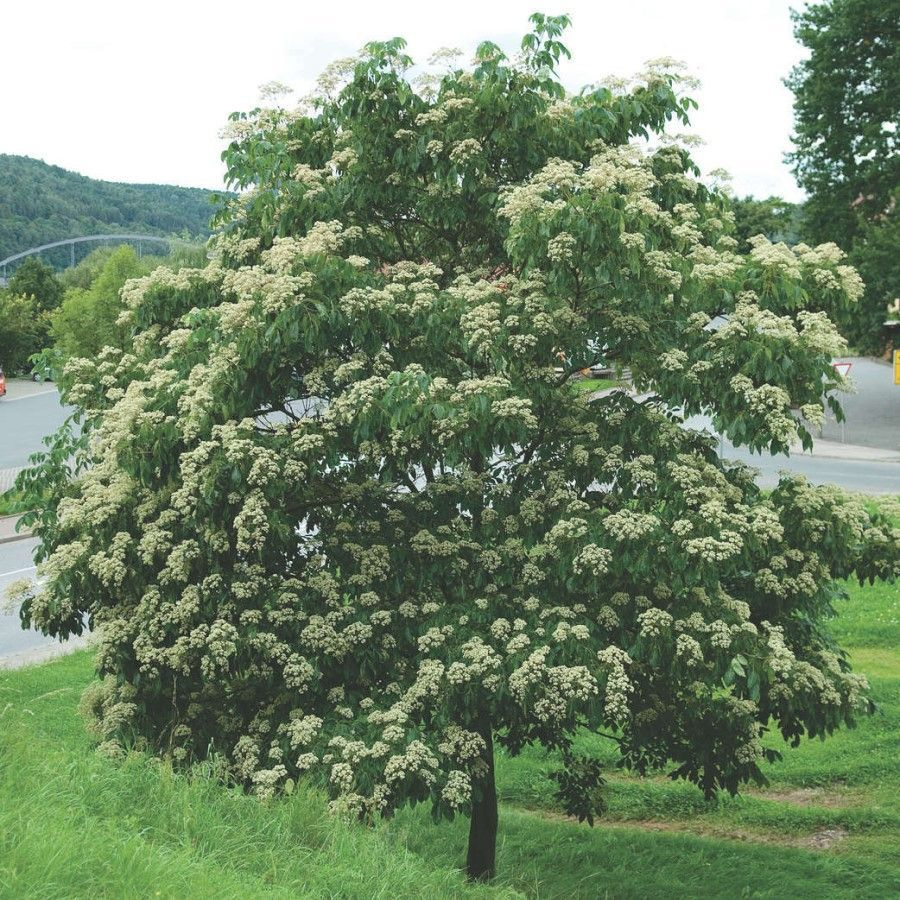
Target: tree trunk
{"type": "Point", "coordinates": [481, 858]}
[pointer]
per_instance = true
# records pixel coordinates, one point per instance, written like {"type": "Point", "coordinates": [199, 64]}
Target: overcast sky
{"type": "Point", "coordinates": [139, 92]}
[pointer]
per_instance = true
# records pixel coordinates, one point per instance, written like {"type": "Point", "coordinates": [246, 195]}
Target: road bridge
{"type": "Point", "coordinates": [139, 239]}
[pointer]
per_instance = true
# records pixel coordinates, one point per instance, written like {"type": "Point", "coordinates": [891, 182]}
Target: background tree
{"type": "Point", "coordinates": [87, 320]}
{"type": "Point", "coordinates": [340, 514]}
{"type": "Point", "coordinates": [21, 331]}
{"type": "Point", "coordinates": [35, 279]}
{"type": "Point", "coordinates": [776, 219]}
{"type": "Point", "coordinates": [86, 272]}
{"type": "Point", "coordinates": [846, 116]}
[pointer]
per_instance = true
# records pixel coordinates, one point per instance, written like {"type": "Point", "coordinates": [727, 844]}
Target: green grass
{"type": "Point", "coordinates": [11, 502]}
{"type": "Point", "coordinates": [73, 824]}
{"type": "Point", "coordinates": [589, 385]}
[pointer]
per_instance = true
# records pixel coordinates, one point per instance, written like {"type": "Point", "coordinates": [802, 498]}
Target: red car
{"type": "Point", "coordinates": [2, 383]}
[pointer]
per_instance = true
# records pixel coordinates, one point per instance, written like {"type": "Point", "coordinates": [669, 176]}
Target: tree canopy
{"type": "Point", "coordinates": [22, 331]}
{"type": "Point", "coordinates": [778, 220]}
{"type": "Point", "coordinates": [846, 116]}
{"type": "Point", "coordinates": [338, 513]}
{"type": "Point", "coordinates": [87, 320]}
{"type": "Point", "coordinates": [26, 304]}
{"type": "Point", "coordinates": [35, 279]}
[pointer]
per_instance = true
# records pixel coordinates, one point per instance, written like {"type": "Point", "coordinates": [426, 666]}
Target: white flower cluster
{"type": "Point", "coordinates": [592, 560]}
{"type": "Point", "coordinates": [772, 403]}
{"type": "Point", "coordinates": [457, 790]}
{"type": "Point", "coordinates": [654, 622]}
{"type": "Point", "coordinates": [775, 258]}
{"type": "Point", "coordinates": [819, 333]}
{"type": "Point", "coordinates": [618, 685]}
{"type": "Point", "coordinates": [630, 525]}
{"type": "Point", "coordinates": [465, 150]}
{"type": "Point", "coordinates": [416, 762]}
{"type": "Point", "coordinates": [557, 177]}
{"type": "Point", "coordinates": [561, 248]}
{"type": "Point", "coordinates": [711, 549]}
{"type": "Point", "coordinates": [688, 649]}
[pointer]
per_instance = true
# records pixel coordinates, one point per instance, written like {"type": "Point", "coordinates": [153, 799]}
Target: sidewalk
{"type": "Point", "coordinates": [7, 477]}
{"type": "Point", "coordinates": [836, 450]}
{"type": "Point", "coordinates": [45, 653]}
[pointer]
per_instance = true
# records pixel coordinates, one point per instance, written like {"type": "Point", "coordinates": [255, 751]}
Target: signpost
{"type": "Point", "coordinates": [843, 369]}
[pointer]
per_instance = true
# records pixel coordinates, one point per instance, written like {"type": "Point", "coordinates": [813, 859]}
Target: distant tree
{"type": "Point", "coordinates": [88, 269]}
{"type": "Point", "coordinates": [773, 217]}
{"type": "Point", "coordinates": [846, 117]}
{"type": "Point", "coordinates": [876, 254]}
{"type": "Point", "coordinates": [87, 320]}
{"type": "Point", "coordinates": [22, 331]}
{"type": "Point", "coordinates": [340, 513]}
{"type": "Point", "coordinates": [191, 254]}
{"type": "Point", "coordinates": [35, 279]}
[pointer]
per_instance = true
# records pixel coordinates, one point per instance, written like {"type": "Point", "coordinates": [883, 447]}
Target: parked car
{"type": "Point", "coordinates": [2, 383]}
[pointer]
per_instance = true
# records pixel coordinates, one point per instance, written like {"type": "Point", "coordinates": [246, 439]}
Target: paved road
{"type": "Point", "coordinates": [24, 421]}
{"type": "Point", "coordinates": [854, 475]}
{"type": "Point", "coordinates": [16, 563]}
{"type": "Point", "coordinates": [873, 412]}
{"type": "Point", "coordinates": [870, 476]}
{"type": "Point", "coordinates": [28, 413]}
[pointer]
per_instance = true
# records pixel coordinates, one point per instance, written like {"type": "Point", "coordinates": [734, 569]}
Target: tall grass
{"type": "Point", "coordinates": [73, 824]}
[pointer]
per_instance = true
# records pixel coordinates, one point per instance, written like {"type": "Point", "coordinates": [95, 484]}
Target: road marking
{"type": "Point", "coordinates": [29, 396]}
{"type": "Point", "coordinates": [17, 571]}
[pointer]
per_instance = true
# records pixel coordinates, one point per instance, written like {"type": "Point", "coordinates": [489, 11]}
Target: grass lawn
{"type": "Point", "coordinates": [589, 385]}
{"type": "Point", "coordinates": [73, 824]}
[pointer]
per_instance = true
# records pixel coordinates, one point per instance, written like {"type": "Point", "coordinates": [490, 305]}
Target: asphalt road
{"type": "Point", "coordinates": [873, 412]}
{"type": "Point", "coordinates": [865, 475]}
{"type": "Point", "coordinates": [851, 474]}
{"type": "Point", "coordinates": [25, 418]}
{"type": "Point", "coordinates": [16, 563]}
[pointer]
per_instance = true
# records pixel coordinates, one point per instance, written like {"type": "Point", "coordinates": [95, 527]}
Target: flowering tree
{"type": "Point", "coordinates": [340, 513]}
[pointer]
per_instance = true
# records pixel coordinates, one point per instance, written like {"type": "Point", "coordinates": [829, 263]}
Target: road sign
{"type": "Point", "coordinates": [843, 368]}
{"type": "Point", "coordinates": [897, 367]}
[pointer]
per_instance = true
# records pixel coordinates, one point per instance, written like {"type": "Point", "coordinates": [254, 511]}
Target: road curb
{"type": "Point", "coordinates": [8, 532]}
{"type": "Point", "coordinates": [37, 656]}
{"type": "Point", "coordinates": [823, 449]}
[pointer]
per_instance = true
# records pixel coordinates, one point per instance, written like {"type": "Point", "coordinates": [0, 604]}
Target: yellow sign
{"type": "Point", "coordinates": [897, 367]}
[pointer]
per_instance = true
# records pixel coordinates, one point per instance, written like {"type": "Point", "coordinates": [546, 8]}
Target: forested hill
{"type": "Point", "coordinates": [40, 203]}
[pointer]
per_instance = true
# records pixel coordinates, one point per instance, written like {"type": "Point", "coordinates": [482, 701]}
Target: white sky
{"type": "Point", "coordinates": [139, 92]}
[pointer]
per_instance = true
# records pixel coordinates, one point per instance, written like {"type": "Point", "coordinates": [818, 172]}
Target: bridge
{"type": "Point", "coordinates": [139, 239]}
